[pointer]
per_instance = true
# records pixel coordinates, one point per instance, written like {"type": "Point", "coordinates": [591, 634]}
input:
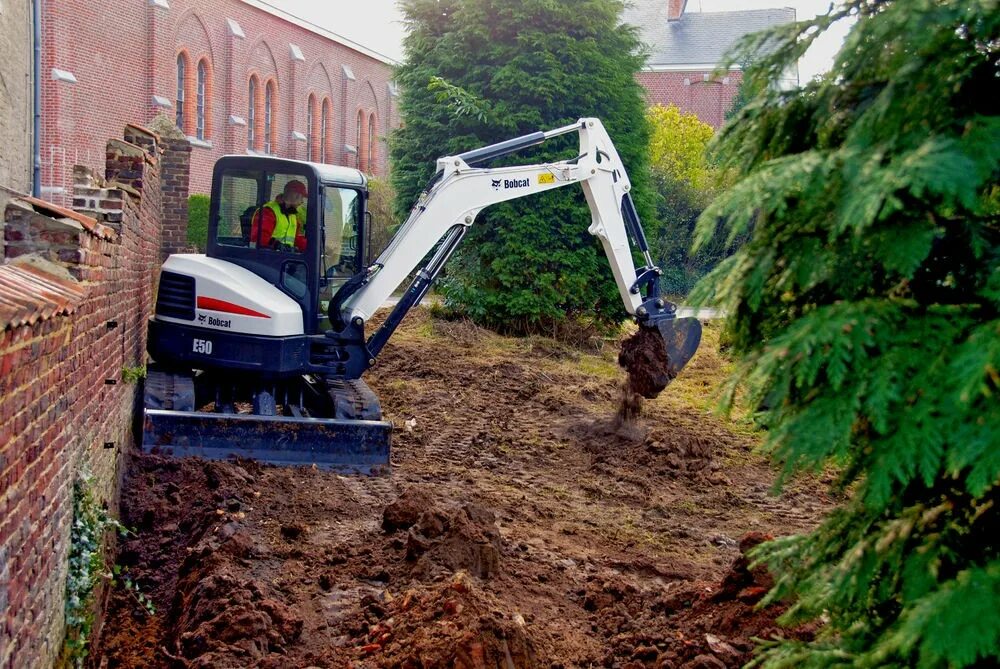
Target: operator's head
{"type": "Point", "coordinates": [294, 193]}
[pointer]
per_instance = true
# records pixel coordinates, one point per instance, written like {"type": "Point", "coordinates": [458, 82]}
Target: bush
{"type": "Point", "coordinates": [197, 232]}
{"type": "Point", "coordinates": [384, 223]}
{"type": "Point", "coordinates": [684, 182]}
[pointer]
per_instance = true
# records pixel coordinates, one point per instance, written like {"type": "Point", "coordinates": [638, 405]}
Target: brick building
{"type": "Point", "coordinates": [237, 76]}
{"type": "Point", "coordinates": [16, 108]}
{"type": "Point", "coordinates": [685, 49]}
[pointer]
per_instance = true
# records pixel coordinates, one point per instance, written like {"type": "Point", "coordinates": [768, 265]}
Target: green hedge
{"type": "Point", "coordinates": [197, 232]}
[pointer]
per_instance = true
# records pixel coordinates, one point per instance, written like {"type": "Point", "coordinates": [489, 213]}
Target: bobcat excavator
{"type": "Point", "coordinates": [258, 349]}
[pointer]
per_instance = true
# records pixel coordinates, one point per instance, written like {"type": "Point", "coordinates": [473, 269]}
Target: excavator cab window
{"type": "Point", "coordinates": [264, 210]}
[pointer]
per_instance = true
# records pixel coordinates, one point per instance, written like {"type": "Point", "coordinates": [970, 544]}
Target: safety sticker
{"type": "Point", "coordinates": [546, 178]}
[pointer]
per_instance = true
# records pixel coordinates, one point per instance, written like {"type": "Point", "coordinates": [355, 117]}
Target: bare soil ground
{"type": "Point", "coordinates": [519, 528]}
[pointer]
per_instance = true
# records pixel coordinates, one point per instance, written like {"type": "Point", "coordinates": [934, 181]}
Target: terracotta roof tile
{"type": "Point", "coordinates": [29, 295]}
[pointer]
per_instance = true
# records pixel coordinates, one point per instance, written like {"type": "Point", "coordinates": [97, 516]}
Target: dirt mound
{"type": "Point", "coordinates": [644, 357]}
{"type": "Point", "coordinates": [222, 621]}
{"type": "Point", "coordinates": [452, 625]}
{"type": "Point", "coordinates": [695, 626]}
{"type": "Point", "coordinates": [440, 537]}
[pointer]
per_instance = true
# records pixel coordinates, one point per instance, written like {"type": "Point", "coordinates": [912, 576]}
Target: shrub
{"type": "Point", "coordinates": [197, 231]}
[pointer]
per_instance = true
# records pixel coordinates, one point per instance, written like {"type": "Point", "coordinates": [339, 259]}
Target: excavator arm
{"type": "Point", "coordinates": [462, 188]}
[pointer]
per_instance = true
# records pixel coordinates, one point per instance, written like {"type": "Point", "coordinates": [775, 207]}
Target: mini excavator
{"type": "Point", "coordinates": [258, 347]}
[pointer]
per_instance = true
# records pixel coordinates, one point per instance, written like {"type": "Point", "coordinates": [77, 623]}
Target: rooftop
{"type": "Point", "coordinates": [697, 38]}
{"type": "Point", "coordinates": [319, 30]}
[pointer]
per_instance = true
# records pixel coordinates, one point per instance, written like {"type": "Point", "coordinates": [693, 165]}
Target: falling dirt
{"type": "Point", "coordinates": [519, 528]}
{"type": "Point", "coordinates": [644, 358]}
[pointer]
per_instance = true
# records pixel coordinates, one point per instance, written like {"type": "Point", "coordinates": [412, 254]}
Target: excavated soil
{"type": "Point", "coordinates": [644, 358]}
{"type": "Point", "coordinates": [522, 526]}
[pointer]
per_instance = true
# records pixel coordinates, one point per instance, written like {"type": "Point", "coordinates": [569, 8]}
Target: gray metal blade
{"type": "Point", "coordinates": [349, 446]}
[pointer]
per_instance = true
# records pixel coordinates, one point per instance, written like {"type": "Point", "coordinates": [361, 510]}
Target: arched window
{"type": "Point", "coordinates": [269, 116]}
{"type": "Point", "coordinates": [360, 143]}
{"type": "Point", "coordinates": [372, 146]}
{"type": "Point", "coordinates": [310, 129]}
{"type": "Point", "coordinates": [203, 124]}
{"type": "Point", "coordinates": [181, 77]}
{"type": "Point", "coordinates": [252, 114]}
{"type": "Point", "coordinates": [324, 133]}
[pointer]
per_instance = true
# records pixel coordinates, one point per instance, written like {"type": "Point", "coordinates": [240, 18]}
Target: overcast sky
{"type": "Point", "coordinates": [377, 23]}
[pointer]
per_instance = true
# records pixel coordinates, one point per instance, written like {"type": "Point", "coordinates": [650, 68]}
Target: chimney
{"type": "Point", "coordinates": [675, 9]}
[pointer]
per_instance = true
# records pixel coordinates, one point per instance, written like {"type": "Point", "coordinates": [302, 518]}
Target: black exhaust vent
{"type": "Point", "coordinates": [176, 296]}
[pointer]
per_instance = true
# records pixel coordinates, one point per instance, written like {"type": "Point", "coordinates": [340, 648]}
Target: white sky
{"type": "Point", "coordinates": [377, 24]}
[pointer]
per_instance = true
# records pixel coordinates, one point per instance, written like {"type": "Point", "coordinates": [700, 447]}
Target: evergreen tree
{"type": "Point", "coordinates": [746, 92]}
{"type": "Point", "coordinates": [482, 71]}
{"type": "Point", "coordinates": [866, 309]}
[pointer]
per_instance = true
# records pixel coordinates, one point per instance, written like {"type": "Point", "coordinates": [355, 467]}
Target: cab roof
{"type": "Point", "coordinates": [322, 171]}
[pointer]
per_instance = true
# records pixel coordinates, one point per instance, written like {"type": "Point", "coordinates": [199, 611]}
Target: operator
{"type": "Point", "coordinates": [281, 222]}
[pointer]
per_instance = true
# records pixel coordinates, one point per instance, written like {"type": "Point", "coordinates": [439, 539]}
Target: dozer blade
{"type": "Point", "coordinates": [681, 337]}
{"type": "Point", "coordinates": [346, 446]}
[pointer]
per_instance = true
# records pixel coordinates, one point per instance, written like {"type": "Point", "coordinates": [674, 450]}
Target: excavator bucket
{"type": "Point", "coordinates": [681, 337]}
{"type": "Point", "coordinates": [657, 352]}
{"type": "Point", "coordinates": [352, 440]}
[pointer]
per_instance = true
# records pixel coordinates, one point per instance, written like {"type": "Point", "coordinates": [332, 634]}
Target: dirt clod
{"type": "Point", "coordinates": [644, 357]}
{"type": "Point", "coordinates": [465, 538]}
{"type": "Point", "coordinates": [293, 531]}
{"type": "Point", "coordinates": [405, 511]}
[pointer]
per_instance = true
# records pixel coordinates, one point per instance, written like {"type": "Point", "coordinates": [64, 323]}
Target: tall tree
{"type": "Point", "coordinates": [481, 71]}
{"type": "Point", "coordinates": [866, 308]}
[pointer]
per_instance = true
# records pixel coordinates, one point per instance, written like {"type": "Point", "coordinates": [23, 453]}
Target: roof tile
{"type": "Point", "coordinates": [55, 211]}
{"type": "Point", "coordinates": [29, 295]}
{"type": "Point", "coordinates": [697, 38]}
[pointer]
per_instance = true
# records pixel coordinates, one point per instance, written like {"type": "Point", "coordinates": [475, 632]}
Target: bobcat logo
{"type": "Point", "coordinates": [201, 318]}
{"type": "Point", "coordinates": [496, 184]}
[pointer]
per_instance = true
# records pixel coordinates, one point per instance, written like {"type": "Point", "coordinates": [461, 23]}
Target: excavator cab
{"type": "Point", "coordinates": [307, 248]}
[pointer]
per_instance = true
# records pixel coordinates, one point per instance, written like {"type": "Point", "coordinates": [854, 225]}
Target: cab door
{"type": "Point", "coordinates": [342, 234]}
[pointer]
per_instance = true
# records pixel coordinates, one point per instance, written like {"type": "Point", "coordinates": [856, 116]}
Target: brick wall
{"type": "Point", "coordinates": [175, 173]}
{"type": "Point", "coordinates": [15, 95]}
{"type": "Point", "coordinates": [146, 37]}
{"type": "Point", "coordinates": [695, 91]}
{"type": "Point", "coordinates": [73, 308]}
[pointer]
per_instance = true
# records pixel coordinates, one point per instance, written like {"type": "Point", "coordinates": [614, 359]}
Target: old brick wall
{"type": "Point", "coordinates": [175, 175]}
{"type": "Point", "coordinates": [237, 40]}
{"type": "Point", "coordinates": [16, 98]}
{"type": "Point", "coordinates": [70, 320]}
{"type": "Point", "coordinates": [698, 92]}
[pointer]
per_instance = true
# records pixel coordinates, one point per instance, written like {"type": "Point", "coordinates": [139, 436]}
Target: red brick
{"type": "Point", "coordinates": [149, 39]}
{"type": "Point", "coordinates": [693, 91]}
